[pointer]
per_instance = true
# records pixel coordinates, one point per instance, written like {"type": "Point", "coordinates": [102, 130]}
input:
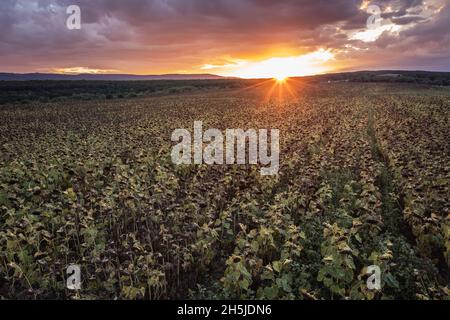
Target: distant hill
{"type": "Point", "coordinates": [103, 77]}
{"type": "Point", "coordinates": [395, 76]}
{"type": "Point", "coordinates": [422, 77]}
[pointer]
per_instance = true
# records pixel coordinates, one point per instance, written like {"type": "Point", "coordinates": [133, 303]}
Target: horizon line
{"type": "Point", "coordinates": [212, 75]}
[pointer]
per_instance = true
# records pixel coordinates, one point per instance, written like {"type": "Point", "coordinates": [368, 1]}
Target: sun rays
{"type": "Point", "coordinates": [283, 89]}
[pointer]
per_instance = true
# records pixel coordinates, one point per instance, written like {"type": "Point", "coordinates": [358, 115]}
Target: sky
{"type": "Point", "coordinates": [244, 38]}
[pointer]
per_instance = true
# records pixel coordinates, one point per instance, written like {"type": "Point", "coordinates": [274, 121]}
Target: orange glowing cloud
{"type": "Point", "coordinates": [82, 70]}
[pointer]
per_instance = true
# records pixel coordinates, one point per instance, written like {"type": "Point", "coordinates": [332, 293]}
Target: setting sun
{"type": "Point", "coordinates": [281, 67]}
{"type": "Point", "coordinates": [280, 78]}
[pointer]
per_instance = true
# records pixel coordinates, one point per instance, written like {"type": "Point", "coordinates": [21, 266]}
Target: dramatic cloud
{"type": "Point", "coordinates": [160, 36]}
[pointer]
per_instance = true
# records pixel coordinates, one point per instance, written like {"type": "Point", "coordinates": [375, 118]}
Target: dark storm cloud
{"type": "Point", "coordinates": [168, 35]}
{"type": "Point", "coordinates": [407, 20]}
